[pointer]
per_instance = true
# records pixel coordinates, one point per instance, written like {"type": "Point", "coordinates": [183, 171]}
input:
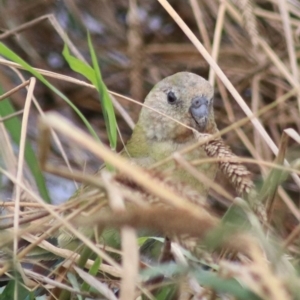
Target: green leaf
{"type": "Point", "coordinates": [74, 282]}
{"type": "Point", "coordinates": [167, 269]}
{"type": "Point", "coordinates": [93, 271]}
{"type": "Point", "coordinates": [5, 51]}
{"type": "Point", "coordinates": [13, 126]}
{"type": "Point", "coordinates": [205, 278]}
{"type": "Point", "coordinates": [107, 106]}
{"type": "Point", "coordinates": [142, 240]}
{"type": "Point", "coordinates": [236, 215]}
{"type": "Point", "coordinates": [95, 77]}
{"type": "Point", "coordinates": [23, 293]}
{"type": "Point", "coordinates": [166, 293]}
{"type": "Point", "coordinates": [222, 285]}
{"type": "Point", "coordinates": [274, 179]}
{"type": "Point", "coordinates": [79, 66]}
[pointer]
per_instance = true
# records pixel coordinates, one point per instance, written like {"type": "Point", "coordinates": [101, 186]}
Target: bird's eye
{"type": "Point", "coordinates": [171, 98]}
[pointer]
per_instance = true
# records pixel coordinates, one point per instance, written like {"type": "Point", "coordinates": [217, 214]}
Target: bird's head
{"type": "Point", "coordinates": [185, 97]}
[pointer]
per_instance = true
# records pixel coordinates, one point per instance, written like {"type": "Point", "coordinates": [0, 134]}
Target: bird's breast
{"type": "Point", "coordinates": [163, 150]}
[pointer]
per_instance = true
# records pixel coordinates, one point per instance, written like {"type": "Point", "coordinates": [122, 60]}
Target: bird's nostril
{"type": "Point", "coordinates": [196, 102]}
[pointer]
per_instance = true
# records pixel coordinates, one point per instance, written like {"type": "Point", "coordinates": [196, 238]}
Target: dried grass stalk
{"type": "Point", "coordinates": [246, 7]}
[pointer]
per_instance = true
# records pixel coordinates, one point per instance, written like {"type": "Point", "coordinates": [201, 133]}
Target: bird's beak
{"type": "Point", "coordinates": [199, 110]}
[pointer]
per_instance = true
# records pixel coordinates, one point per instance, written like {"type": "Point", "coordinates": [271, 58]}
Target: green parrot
{"type": "Point", "coordinates": [187, 98]}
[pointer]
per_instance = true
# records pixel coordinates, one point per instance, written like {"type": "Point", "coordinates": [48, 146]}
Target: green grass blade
{"type": "Point", "coordinates": [13, 126]}
{"type": "Point", "coordinates": [79, 66]}
{"type": "Point", "coordinates": [94, 76]}
{"type": "Point", "coordinates": [75, 284]}
{"type": "Point", "coordinates": [107, 106]}
{"type": "Point", "coordinates": [23, 293]}
{"type": "Point", "coordinates": [6, 52]}
{"type": "Point", "coordinates": [92, 271]}
{"type": "Point", "coordinates": [223, 285]}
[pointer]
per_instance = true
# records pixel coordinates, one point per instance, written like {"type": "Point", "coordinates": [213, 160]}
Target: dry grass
{"type": "Point", "coordinates": [249, 51]}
